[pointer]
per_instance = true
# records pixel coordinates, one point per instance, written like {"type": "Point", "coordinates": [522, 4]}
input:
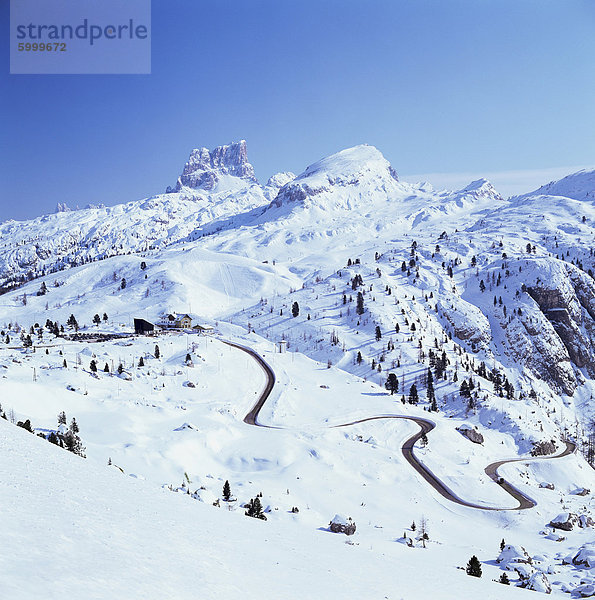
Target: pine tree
{"type": "Point", "coordinates": [74, 426]}
{"type": "Point", "coordinates": [120, 369]}
{"type": "Point", "coordinates": [430, 388]}
{"type": "Point", "coordinates": [295, 309]}
{"type": "Point", "coordinates": [413, 397]}
{"type": "Point", "coordinates": [473, 567]}
{"type": "Point", "coordinates": [254, 509]}
{"type": "Point", "coordinates": [141, 362]}
{"type": "Point", "coordinates": [96, 319]}
{"type": "Point", "coordinates": [464, 390]}
{"type": "Point", "coordinates": [378, 333]}
{"type": "Point", "coordinates": [360, 304]}
{"type": "Point", "coordinates": [502, 544]}
{"type": "Point", "coordinates": [106, 368]}
{"type": "Point", "coordinates": [62, 418]}
{"type": "Point", "coordinates": [157, 351]}
{"type": "Point", "coordinates": [359, 358]}
{"type": "Point", "coordinates": [504, 579]}
{"type": "Point", "coordinates": [226, 491]}
{"type": "Point", "coordinates": [105, 316]}
{"type": "Point", "coordinates": [93, 366]}
{"type": "Point", "coordinates": [123, 283]}
{"type": "Point", "coordinates": [73, 443]}
{"type": "Point", "coordinates": [392, 383]}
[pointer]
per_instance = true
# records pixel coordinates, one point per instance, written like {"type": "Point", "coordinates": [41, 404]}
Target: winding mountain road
{"type": "Point", "coordinates": [425, 425]}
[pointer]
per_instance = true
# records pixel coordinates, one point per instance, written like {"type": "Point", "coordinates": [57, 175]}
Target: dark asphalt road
{"type": "Point", "coordinates": [425, 425]}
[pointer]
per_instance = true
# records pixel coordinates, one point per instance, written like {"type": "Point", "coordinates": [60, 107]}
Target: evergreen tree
{"type": "Point", "coordinates": [392, 383]}
{"type": "Point", "coordinates": [72, 443]}
{"type": "Point", "coordinates": [295, 309]}
{"type": "Point", "coordinates": [141, 362]}
{"type": "Point", "coordinates": [123, 283]}
{"type": "Point", "coordinates": [64, 364]}
{"type": "Point", "coordinates": [226, 491]}
{"type": "Point", "coordinates": [413, 397]}
{"type": "Point", "coordinates": [188, 358]}
{"type": "Point", "coordinates": [360, 304]}
{"type": "Point", "coordinates": [504, 579]}
{"type": "Point", "coordinates": [93, 366]}
{"type": "Point", "coordinates": [464, 391]}
{"type": "Point", "coordinates": [106, 368]}
{"type": "Point", "coordinates": [473, 567]}
{"type": "Point", "coordinates": [430, 388]}
{"type": "Point", "coordinates": [397, 328]}
{"type": "Point", "coordinates": [62, 418]}
{"type": "Point", "coordinates": [254, 509]}
{"type": "Point", "coordinates": [157, 351]}
{"type": "Point", "coordinates": [72, 322]}
{"type": "Point", "coordinates": [502, 544]}
{"type": "Point", "coordinates": [105, 316]}
{"type": "Point", "coordinates": [96, 319]}
{"type": "Point", "coordinates": [359, 358]}
{"type": "Point", "coordinates": [74, 426]}
{"type": "Point", "coordinates": [120, 369]}
{"type": "Point", "coordinates": [378, 333]}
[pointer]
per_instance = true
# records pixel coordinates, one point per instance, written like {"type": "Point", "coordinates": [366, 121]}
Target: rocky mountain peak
{"type": "Point", "coordinates": [204, 167]}
{"type": "Point", "coordinates": [481, 188]}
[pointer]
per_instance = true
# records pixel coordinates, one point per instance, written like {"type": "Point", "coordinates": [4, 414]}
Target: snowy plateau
{"type": "Point", "coordinates": [393, 379]}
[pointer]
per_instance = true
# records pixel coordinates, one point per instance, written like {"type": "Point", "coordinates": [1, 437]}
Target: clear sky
{"type": "Point", "coordinates": [456, 87]}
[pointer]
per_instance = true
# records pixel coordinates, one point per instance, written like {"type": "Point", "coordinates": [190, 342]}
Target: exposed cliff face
{"type": "Point", "coordinates": [568, 303]}
{"type": "Point", "coordinates": [205, 167]}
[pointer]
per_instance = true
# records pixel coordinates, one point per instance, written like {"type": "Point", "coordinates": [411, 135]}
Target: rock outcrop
{"type": "Point", "coordinates": [205, 168]}
{"type": "Point", "coordinates": [340, 524]}
{"type": "Point", "coordinates": [568, 303]}
{"type": "Point", "coordinates": [471, 433]}
{"type": "Point", "coordinates": [567, 521]}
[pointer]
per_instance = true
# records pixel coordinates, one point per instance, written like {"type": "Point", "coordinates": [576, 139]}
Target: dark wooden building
{"type": "Point", "coordinates": [143, 327]}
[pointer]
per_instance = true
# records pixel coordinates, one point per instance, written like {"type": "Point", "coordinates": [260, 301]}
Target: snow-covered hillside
{"type": "Point", "coordinates": [578, 186]}
{"type": "Point", "coordinates": [481, 309]}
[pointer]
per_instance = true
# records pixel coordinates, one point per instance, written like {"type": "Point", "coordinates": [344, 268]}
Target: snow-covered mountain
{"type": "Point", "coordinates": [487, 303]}
{"type": "Point", "coordinates": [578, 186]}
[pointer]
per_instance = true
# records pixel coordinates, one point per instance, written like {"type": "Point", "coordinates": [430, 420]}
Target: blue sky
{"type": "Point", "coordinates": [457, 87]}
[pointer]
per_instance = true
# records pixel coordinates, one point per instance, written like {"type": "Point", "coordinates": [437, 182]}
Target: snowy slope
{"type": "Point", "coordinates": [578, 186]}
